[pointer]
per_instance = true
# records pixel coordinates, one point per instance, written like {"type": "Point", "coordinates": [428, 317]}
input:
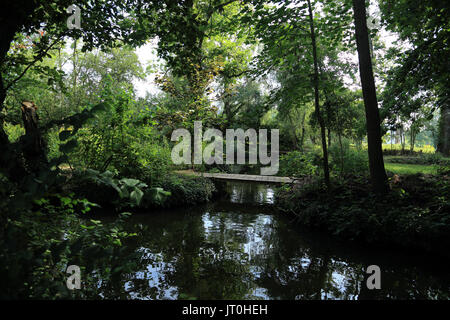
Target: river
{"type": "Point", "coordinates": [239, 248]}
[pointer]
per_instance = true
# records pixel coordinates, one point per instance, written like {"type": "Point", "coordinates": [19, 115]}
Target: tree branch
{"type": "Point", "coordinates": [36, 59]}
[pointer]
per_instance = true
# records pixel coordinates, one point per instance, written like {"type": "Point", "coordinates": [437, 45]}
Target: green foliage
{"type": "Point", "coordinates": [397, 149]}
{"type": "Point", "coordinates": [127, 189]}
{"type": "Point", "coordinates": [348, 159]}
{"type": "Point", "coordinates": [187, 190]}
{"type": "Point", "coordinates": [227, 63]}
{"type": "Point", "coordinates": [443, 170]}
{"type": "Point", "coordinates": [117, 140]}
{"type": "Point", "coordinates": [14, 132]}
{"type": "Point", "coordinates": [108, 190]}
{"type": "Point", "coordinates": [414, 215]}
{"type": "Point", "coordinates": [419, 79]}
{"type": "Point", "coordinates": [154, 160]}
{"type": "Point", "coordinates": [424, 159]}
{"type": "Point", "coordinates": [38, 245]}
{"type": "Point", "coordinates": [297, 164]}
{"type": "Point", "coordinates": [106, 140]}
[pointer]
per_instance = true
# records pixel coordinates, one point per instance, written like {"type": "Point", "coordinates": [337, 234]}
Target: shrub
{"type": "Point", "coordinates": [425, 159]}
{"type": "Point", "coordinates": [14, 132]}
{"type": "Point", "coordinates": [349, 160]}
{"type": "Point", "coordinates": [186, 190]}
{"type": "Point", "coordinates": [37, 246]}
{"type": "Point", "coordinates": [154, 160]}
{"type": "Point", "coordinates": [53, 143]}
{"type": "Point", "coordinates": [296, 163]}
{"type": "Point", "coordinates": [415, 214]}
{"type": "Point", "coordinates": [108, 190]}
{"type": "Point", "coordinates": [396, 150]}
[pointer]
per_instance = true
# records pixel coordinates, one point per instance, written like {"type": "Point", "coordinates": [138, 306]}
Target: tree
{"type": "Point", "coordinates": [22, 20]}
{"type": "Point", "coordinates": [406, 105]}
{"type": "Point", "coordinates": [326, 168]}
{"type": "Point", "coordinates": [423, 63]}
{"type": "Point", "coordinates": [293, 37]}
{"type": "Point", "coordinates": [376, 163]}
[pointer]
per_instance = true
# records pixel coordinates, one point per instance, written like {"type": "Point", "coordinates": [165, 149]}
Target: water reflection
{"type": "Point", "coordinates": [249, 193]}
{"type": "Point", "coordinates": [231, 250]}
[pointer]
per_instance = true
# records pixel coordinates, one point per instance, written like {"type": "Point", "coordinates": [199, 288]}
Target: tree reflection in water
{"type": "Point", "coordinates": [238, 249]}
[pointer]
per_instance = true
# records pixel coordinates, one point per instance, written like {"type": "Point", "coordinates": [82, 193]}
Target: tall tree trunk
{"type": "Point", "coordinates": [412, 137]}
{"type": "Point", "coordinates": [376, 163]}
{"type": "Point", "coordinates": [342, 153]}
{"type": "Point", "coordinates": [402, 139]}
{"type": "Point", "coordinates": [329, 138]}
{"type": "Point", "coordinates": [444, 131]}
{"type": "Point", "coordinates": [326, 169]}
{"type": "Point", "coordinates": [302, 137]}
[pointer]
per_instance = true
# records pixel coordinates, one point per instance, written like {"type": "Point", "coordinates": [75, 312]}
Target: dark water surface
{"type": "Point", "coordinates": [239, 248]}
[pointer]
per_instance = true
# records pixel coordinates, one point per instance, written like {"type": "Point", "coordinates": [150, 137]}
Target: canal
{"type": "Point", "coordinates": [239, 247]}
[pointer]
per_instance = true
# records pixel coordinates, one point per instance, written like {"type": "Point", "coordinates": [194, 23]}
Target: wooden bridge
{"type": "Point", "coordinates": [245, 177]}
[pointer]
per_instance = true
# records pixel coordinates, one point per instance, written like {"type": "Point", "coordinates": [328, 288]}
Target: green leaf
{"type": "Point", "coordinates": [130, 182]}
{"type": "Point", "coordinates": [136, 196]}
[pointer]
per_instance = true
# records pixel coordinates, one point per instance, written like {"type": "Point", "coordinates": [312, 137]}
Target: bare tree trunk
{"type": "Point", "coordinates": [326, 169]}
{"type": "Point", "coordinates": [376, 163]}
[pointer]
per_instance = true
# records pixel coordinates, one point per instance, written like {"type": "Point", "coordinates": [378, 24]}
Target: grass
{"type": "Point", "coordinates": [423, 149]}
{"type": "Point", "coordinates": [402, 168]}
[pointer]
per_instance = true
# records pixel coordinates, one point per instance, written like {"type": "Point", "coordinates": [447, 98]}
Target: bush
{"type": "Point", "coordinates": [415, 214]}
{"type": "Point", "coordinates": [349, 160]}
{"type": "Point", "coordinates": [154, 162]}
{"type": "Point", "coordinates": [53, 143]}
{"type": "Point", "coordinates": [14, 132]}
{"type": "Point", "coordinates": [186, 190]}
{"type": "Point", "coordinates": [396, 150]}
{"type": "Point", "coordinates": [425, 159]}
{"type": "Point", "coordinates": [296, 164]}
{"type": "Point", "coordinates": [37, 246]}
{"type": "Point", "coordinates": [119, 193]}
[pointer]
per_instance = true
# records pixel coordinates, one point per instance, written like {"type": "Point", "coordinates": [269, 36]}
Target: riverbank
{"type": "Point", "coordinates": [171, 191]}
{"type": "Point", "coordinates": [414, 215]}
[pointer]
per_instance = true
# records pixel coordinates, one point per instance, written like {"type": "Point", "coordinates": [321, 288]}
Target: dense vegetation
{"type": "Point", "coordinates": [78, 135]}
